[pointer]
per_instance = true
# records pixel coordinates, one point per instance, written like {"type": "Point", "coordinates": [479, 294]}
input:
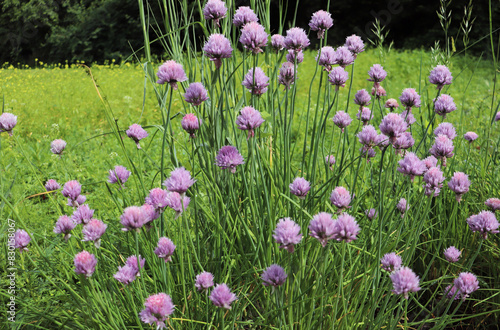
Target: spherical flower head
{"type": "Point", "coordinates": [485, 222]}
{"type": "Point", "coordinates": [214, 10]}
{"type": "Point", "coordinates": [452, 254]}
{"type": "Point", "coordinates": [216, 48]}
{"type": "Point", "coordinates": [342, 120]}
{"type": "Point", "coordinates": [52, 185]}
{"type": "Point", "coordinates": [296, 39]}
{"type": "Point", "coordinates": [343, 57]}
{"type": "Point", "coordinates": [172, 73]}
{"type": "Point", "coordinates": [277, 42]}
{"type": "Point", "coordinates": [179, 180]}
{"type": "Point", "coordinates": [392, 126]}
{"type": "Point", "coordinates": [293, 56]}
{"type": "Point", "coordinates": [368, 136]}
{"type": "Point", "coordinates": [408, 117]}
{"type": "Point", "coordinates": [345, 228]}
{"type": "Point", "coordinates": [497, 116]}
{"type": "Point", "coordinates": [362, 98]}
{"type": "Point", "coordinates": [287, 233]}
{"type": "Point", "coordinates": [157, 198]}
{"type": "Point", "coordinates": [442, 148]}
{"type": "Point", "coordinates": [444, 104]}
{"type": "Point", "coordinates": [404, 141]}
{"type": "Point", "coordinates": [377, 73]}
{"type": "Point", "coordinates": [158, 307]}
{"type": "Point", "coordinates": [354, 44]}
{"type": "Point", "coordinates": [493, 203]}
{"type": "Point", "coordinates": [459, 184]}
{"type": "Point", "coordinates": [7, 122]}
{"type": "Point", "coordinates": [136, 133]}
{"type": "Point", "coordinates": [340, 197]}
{"type": "Point", "coordinates": [256, 81]}
{"type": "Point", "coordinates": [222, 296]}
{"type": "Point", "coordinates": [402, 206]}
{"type": "Point", "coordinates": [21, 240]}
{"type": "Point", "coordinates": [446, 129]}
{"type": "Point", "coordinates": [364, 114]}
{"type": "Point", "coordinates": [330, 160]}
{"type": "Point", "coordinates": [451, 292]}
{"type": "Point", "coordinates": [326, 58]}
{"type": "Point", "coordinates": [93, 231]}
{"type": "Point", "coordinates": [391, 262]}
{"type": "Point", "coordinates": [125, 275]}
{"type": "Point", "coordinates": [338, 77]}
{"type": "Point", "coordinates": [228, 157]}
{"type": "Point", "coordinates": [190, 124]}
{"type": "Point", "coordinates": [120, 175]}
{"type": "Point", "coordinates": [287, 74]}
{"type": "Point", "coordinates": [470, 136]}
{"type": "Point", "coordinates": [204, 281]}
{"type": "Point", "coordinates": [404, 281]}
{"type": "Point", "coordinates": [410, 98]}
{"type": "Point", "coordinates": [64, 225]}
{"type": "Point", "coordinates": [274, 275]}
{"type": "Point", "coordinates": [411, 165]}
{"type": "Point", "coordinates": [430, 161]}
{"type": "Point", "coordinates": [321, 21]}
{"type": "Point", "coordinates": [466, 283]}
{"type": "Point", "coordinates": [85, 263]}
{"type": "Point", "coordinates": [378, 91]}
{"type": "Point", "coordinates": [433, 179]}
{"type": "Point", "coordinates": [195, 94]}
{"type": "Point", "coordinates": [300, 187]}
{"type": "Point", "coordinates": [134, 264]}
{"type": "Point", "coordinates": [440, 76]}
{"type": "Point", "coordinates": [72, 189]}
{"type": "Point", "coordinates": [244, 15]}
{"type": "Point", "coordinates": [253, 37]}
{"type": "Point", "coordinates": [382, 141]}
{"type": "Point", "coordinates": [322, 227]}
{"type": "Point", "coordinates": [248, 120]}
{"type": "Point", "coordinates": [177, 202]}
{"type": "Point", "coordinates": [57, 146]}
{"type": "Point", "coordinates": [165, 249]}
{"type": "Point", "coordinates": [371, 214]}
{"type": "Point", "coordinates": [391, 104]}
{"type": "Point", "coordinates": [133, 217]}
{"type": "Point", "coordinates": [367, 152]}
{"type": "Point", "coordinates": [79, 201]}
{"type": "Point", "coordinates": [83, 214]}
{"type": "Point", "coordinates": [151, 213]}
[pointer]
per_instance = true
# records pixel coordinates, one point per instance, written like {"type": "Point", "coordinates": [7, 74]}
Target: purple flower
{"type": "Point", "coordinates": [93, 231]}
{"type": "Point", "coordinates": [79, 201]}
{"type": "Point", "coordinates": [321, 21]}
{"type": "Point", "coordinates": [451, 292]}
{"type": "Point", "coordinates": [485, 222]}
{"type": "Point", "coordinates": [433, 179]}
{"type": "Point", "coordinates": [408, 117]}
{"type": "Point", "coordinates": [460, 184]}
{"type": "Point", "coordinates": [287, 233]}
{"type": "Point", "coordinates": [497, 116]}
{"type": "Point", "coordinates": [300, 187]}
{"type": "Point", "coordinates": [391, 104]}
{"type": "Point", "coordinates": [402, 206]}
{"type": "Point", "coordinates": [354, 44]}
{"type": "Point", "coordinates": [165, 249]}
{"type": "Point", "coordinates": [216, 48]}
{"type": "Point", "coordinates": [493, 203]}
{"type": "Point", "coordinates": [274, 275]}
{"type": "Point", "coordinates": [64, 225]}
{"type": "Point", "coordinates": [190, 124]}
{"type": "Point", "coordinates": [411, 165]}
{"type": "Point", "coordinates": [466, 283]}
{"type": "Point", "coordinates": [367, 153]}
{"type": "Point", "coordinates": [345, 228]}
{"type": "Point", "coordinates": [368, 136]}
{"type": "Point", "coordinates": [296, 39]}
{"type": "Point", "coordinates": [248, 120]}
{"type": "Point", "coordinates": [378, 90]}
{"type": "Point", "coordinates": [404, 281]}
{"type": "Point", "coordinates": [391, 262]}
{"type": "Point", "coordinates": [52, 185]}
{"type": "Point", "coordinates": [85, 263]}
{"type": "Point", "coordinates": [125, 275]}
{"type": "Point", "coordinates": [157, 198]}
{"type": "Point", "coordinates": [136, 133]}
{"type": "Point", "coordinates": [214, 10]}
{"type": "Point", "coordinates": [72, 189]}
{"type": "Point", "coordinates": [470, 136]}
{"type": "Point", "coordinates": [377, 73]}
{"type": "Point", "coordinates": [172, 73]}
{"type": "Point", "coordinates": [393, 126]}
{"type": "Point", "coordinates": [371, 214]}
{"type": "Point", "coordinates": [442, 148]}
{"type": "Point", "coordinates": [444, 104]}
{"type": "Point", "coordinates": [57, 146]}
{"type": "Point", "coordinates": [326, 58]}
{"type": "Point", "coordinates": [410, 98]}
{"type": "Point", "coordinates": [195, 94]}
{"type": "Point", "coordinates": [430, 161]}
{"type": "Point", "coordinates": [159, 306]}
{"type": "Point", "coordinates": [133, 217]}
{"type": "Point", "coordinates": [277, 42]}
{"type": "Point", "coordinates": [338, 77]}
{"type": "Point", "coordinates": [179, 180]}
{"type": "Point", "coordinates": [287, 74]}
{"type": "Point", "coordinates": [404, 141]}
{"type": "Point", "coordinates": [256, 81]}
{"type": "Point", "coordinates": [452, 254]}
{"type": "Point", "coordinates": [340, 197]}
{"type": "Point", "coordinates": [362, 98]}
{"type": "Point", "coordinates": [343, 57]}
{"type": "Point", "coordinates": [83, 214]}
{"type": "Point", "coordinates": [382, 141]}
{"type": "Point", "coordinates": [330, 160]}
{"type": "Point", "coordinates": [7, 122]}
{"type": "Point", "coordinates": [244, 15]}
{"type": "Point", "coordinates": [222, 296]}
{"type": "Point", "coordinates": [228, 157]}
{"type": "Point", "coordinates": [440, 76]}
{"type": "Point", "coordinates": [293, 56]}
{"type": "Point", "coordinates": [21, 240]}
{"type": "Point", "coordinates": [204, 281]}
{"type": "Point", "coordinates": [119, 175]}
{"type": "Point", "coordinates": [134, 264]}
{"type": "Point", "coordinates": [322, 227]}
{"type": "Point", "coordinates": [364, 114]}
{"type": "Point", "coordinates": [253, 37]}
{"type": "Point", "coordinates": [177, 202]}
{"type": "Point", "coordinates": [150, 214]}
{"type": "Point", "coordinates": [342, 120]}
{"type": "Point", "coordinates": [446, 129]}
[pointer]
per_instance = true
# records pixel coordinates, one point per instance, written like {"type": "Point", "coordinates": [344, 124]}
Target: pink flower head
{"type": "Point", "coordinates": [410, 98]}
{"type": "Point", "coordinates": [296, 39]}
{"type": "Point", "coordinates": [157, 198]}
{"type": "Point", "coordinates": [256, 81]}
{"type": "Point", "coordinates": [404, 281]}
{"type": "Point", "coordinates": [433, 179]}
{"type": "Point", "coordinates": [119, 175]}
{"type": "Point", "coordinates": [277, 42]}
{"type": "Point", "coordinates": [367, 153]}
{"type": "Point", "coordinates": [190, 124]}
{"type": "Point", "coordinates": [150, 214]}
{"type": "Point", "coordinates": [93, 231]}
{"type": "Point", "coordinates": [64, 225]}
{"type": "Point", "coordinates": [158, 307]}
{"type": "Point", "coordinates": [321, 21]}
{"type": "Point", "coordinates": [177, 202]}
{"type": "Point", "coordinates": [83, 214]}
{"type": "Point", "coordinates": [214, 10]}
{"type": "Point", "coordinates": [136, 133]}
{"type": "Point", "coordinates": [446, 129]}
{"type": "Point", "coordinates": [57, 146]}
{"type": "Point", "coordinates": [342, 120]}
{"type": "Point", "coordinates": [493, 203]}
{"type": "Point", "coordinates": [179, 180]}
{"type": "Point", "coordinates": [330, 160]}
{"type": "Point", "coordinates": [466, 283]}
{"type": "Point", "coordinates": [134, 264]}
{"type": "Point", "coordinates": [244, 15]}
{"type": "Point", "coordinates": [345, 228]}
{"type": "Point", "coordinates": [85, 263]}
{"type": "Point", "coordinates": [300, 187]}
{"type": "Point", "coordinates": [293, 56]}
{"type": "Point", "coordinates": [402, 206]}
{"type": "Point", "coordinates": [326, 58]}
{"type": "Point", "coordinates": [408, 117]}
{"type": "Point", "coordinates": [444, 104]}
{"type": "Point", "coordinates": [165, 249]}
{"type": "Point", "coordinates": [274, 275]}
{"type": "Point", "coordinates": [377, 73]}
{"type": "Point", "coordinates": [354, 44]}
{"type": "Point", "coordinates": [248, 120]}
{"type": "Point", "coordinates": [338, 77]}
{"type": "Point", "coordinates": [52, 185]}
{"type": "Point", "coordinates": [403, 142]}
{"type": "Point", "coordinates": [470, 136]}
{"type": "Point", "coordinates": [371, 214]}
{"type": "Point", "coordinates": [287, 233]}
{"type": "Point", "coordinates": [321, 227]}
{"type": "Point", "coordinates": [287, 74]}
{"type": "Point", "coordinates": [343, 57]}
{"type": "Point", "coordinates": [172, 73]}
{"type": "Point", "coordinates": [459, 184]}
{"type": "Point", "coordinates": [362, 98]}
{"type": "Point", "coordinates": [253, 37]}
{"type": "Point", "coordinates": [21, 240]}
{"type": "Point", "coordinates": [391, 262]}
{"type": "Point", "coordinates": [222, 296]}
{"type": "Point", "coordinates": [7, 122]}
{"type": "Point", "coordinates": [228, 157]}
{"type": "Point", "coordinates": [442, 148]}
{"type": "Point", "coordinates": [393, 126]}
{"type": "Point", "coordinates": [451, 292]}
{"type": "Point", "coordinates": [391, 104]}
{"type": "Point", "coordinates": [364, 114]}
{"type": "Point", "coordinates": [368, 136]}
{"type": "Point", "coordinates": [452, 254]}
{"type": "Point", "coordinates": [133, 217]}
{"type": "Point", "coordinates": [204, 281]}
{"type": "Point", "coordinates": [125, 275]}
{"type": "Point", "coordinates": [216, 48]}
{"type": "Point", "coordinates": [411, 165]}
{"type": "Point", "coordinates": [196, 94]}
{"type": "Point", "coordinates": [440, 76]}
{"type": "Point", "coordinates": [341, 198]}
{"type": "Point", "coordinates": [378, 90]}
{"type": "Point", "coordinates": [485, 222]}
{"type": "Point", "coordinates": [71, 190]}
{"type": "Point", "coordinates": [382, 141]}
{"type": "Point", "coordinates": [430, 161]}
